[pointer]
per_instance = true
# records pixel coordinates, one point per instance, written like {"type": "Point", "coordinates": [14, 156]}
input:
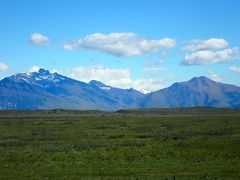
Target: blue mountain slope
{"type": "Point", "coordinates": [127, 96]}
{"type": "Point", "coordinates": [44, 90]}
{"type": "Point", "coordinates": [199, 91]}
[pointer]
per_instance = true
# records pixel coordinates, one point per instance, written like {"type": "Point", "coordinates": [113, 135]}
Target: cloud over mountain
{"type": "Point", "coordinates": [118, 77]}
{"type": "Point", "coordinates": [121, 44]}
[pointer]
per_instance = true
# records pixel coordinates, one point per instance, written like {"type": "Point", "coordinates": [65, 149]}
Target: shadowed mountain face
{"type": "Point", "coordinates": [199, 91]}
{"type": "Point", "coordinates": [44, 90]}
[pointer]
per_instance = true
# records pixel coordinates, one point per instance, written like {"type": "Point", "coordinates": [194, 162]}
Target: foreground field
{"type": "Point", "coordinates": [119, 146]}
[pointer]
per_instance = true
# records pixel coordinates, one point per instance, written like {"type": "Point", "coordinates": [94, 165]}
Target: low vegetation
{"type": "Point", "coordinates": [70, 145]}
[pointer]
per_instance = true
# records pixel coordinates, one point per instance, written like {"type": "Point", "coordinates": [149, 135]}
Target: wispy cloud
{"type": "Point", "coordinates": [121, 44]}
{"type": "Point", "coordinates": [3, 67]}
{"type": "Point", "coordinates": [154, 63]}
{"type": "Point", "coordinates": [234, 68]}
{"type": "Point", "coordinates": [153, 69]}
{"type": "Point", "coordinates": [214, 76]}
{"type": "Point", "coordinates": [38, 39]}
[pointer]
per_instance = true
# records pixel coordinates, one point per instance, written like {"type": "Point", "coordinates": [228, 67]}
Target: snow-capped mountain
{"type": "Point", "coordinates": [45, 90]}
{"type": "Point", "coordinates": [40, 78]}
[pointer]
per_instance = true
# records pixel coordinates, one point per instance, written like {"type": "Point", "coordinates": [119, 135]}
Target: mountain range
{"type": "Point", "coordinates": [45, 90]}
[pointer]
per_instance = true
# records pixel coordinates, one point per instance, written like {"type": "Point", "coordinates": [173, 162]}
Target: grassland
{"type": "Point", "coordinates": [148, 144]}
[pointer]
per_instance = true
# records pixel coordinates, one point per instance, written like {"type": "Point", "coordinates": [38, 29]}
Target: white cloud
{"type": "Point", "coordinates": [121, 44]}
{"type": "Point", "coordinates": [3, 67]}
{"type": "Point", "coordinates": [116, 77]}
{"type": "Point", "coordinates": [98, 72]}
{"type": "Point", "coordinates": [234, 68]}
{"type": "Point", "coordinates": [209, 51]}
{"type": "Point", "coordinates": [211, 57]}
{"type": "Point", "coordinates": [214, 76]}
{"type": "Point", "coordinates": [207, 44]}
{"type": "Point", "coordinates": [34, 69]}
{"type": "Point", "coordinates": [39, 39]}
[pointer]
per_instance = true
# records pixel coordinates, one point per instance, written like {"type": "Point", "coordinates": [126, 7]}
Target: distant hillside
{"type": "Point", "coordinates": [179, 111]}
{"type": "Point", "coordinates": [199, 91]}
{"type": "Point", "coordinates": [192, 111]}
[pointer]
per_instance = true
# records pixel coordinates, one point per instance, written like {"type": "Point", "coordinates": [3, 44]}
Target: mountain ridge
{"type": "Point", "coordinates": [45, 90]}
{"type": "Point", "coordinates": [199, 91]}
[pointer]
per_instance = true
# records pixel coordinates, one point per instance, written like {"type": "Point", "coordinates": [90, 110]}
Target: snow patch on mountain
{"type": "Point", "coordinates": [107, 88]}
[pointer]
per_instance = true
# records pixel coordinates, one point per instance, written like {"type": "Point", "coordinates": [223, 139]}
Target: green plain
{"type": "Point", "coordinates": [103, 145]}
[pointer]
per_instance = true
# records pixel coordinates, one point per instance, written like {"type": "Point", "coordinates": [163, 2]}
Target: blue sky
{"type": "Point", "coordinates": [142, 44]}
